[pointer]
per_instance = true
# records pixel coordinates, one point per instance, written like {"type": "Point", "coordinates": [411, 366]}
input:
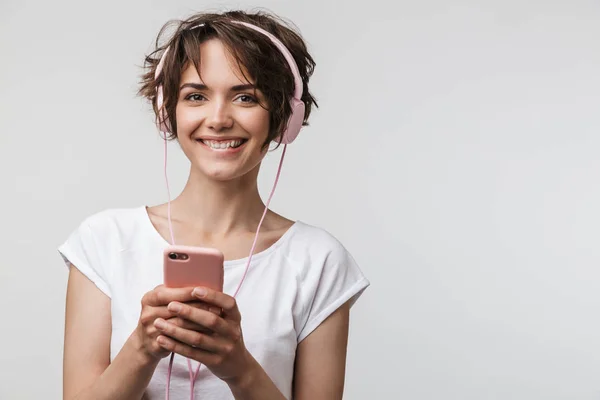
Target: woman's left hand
{"type": "Point", "coordinates": [223, 350]}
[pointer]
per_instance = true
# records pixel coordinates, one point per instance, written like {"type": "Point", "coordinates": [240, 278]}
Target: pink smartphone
{"type": "Point", "coordinates": [188, 266]}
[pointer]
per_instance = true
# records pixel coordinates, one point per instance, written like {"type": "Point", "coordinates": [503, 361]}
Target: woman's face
{"type": "Point", "coordinates": [220, 125]}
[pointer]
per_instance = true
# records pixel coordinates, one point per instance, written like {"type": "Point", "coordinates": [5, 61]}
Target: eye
{"type": "Point", "coordinates": [246, 98]}
{"type": "Point", "coordinates": [194, 97]}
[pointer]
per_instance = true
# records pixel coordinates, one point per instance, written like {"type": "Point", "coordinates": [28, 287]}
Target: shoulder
{"type": "Point", "coordinates": [308, 237]}
{"type": "Point", "coordinates": [310, 246]}
{"type": "Point", "coordinates": [112, 216]}
{"type": "Point", "coordinates": [91, 244]}
{"type": "Point", "coordinates": [113, 223]}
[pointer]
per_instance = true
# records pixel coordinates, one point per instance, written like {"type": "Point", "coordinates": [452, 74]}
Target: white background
{"type": "Point", "coordinates": [454, 153]}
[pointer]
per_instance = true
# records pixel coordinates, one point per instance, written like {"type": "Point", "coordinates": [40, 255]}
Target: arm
{"type": "Point", "coordinates": [320, 368]}
{"type": "Point", "coordinates": [87, 371]}
{"type": "Point", "coordinates": [320, 365]}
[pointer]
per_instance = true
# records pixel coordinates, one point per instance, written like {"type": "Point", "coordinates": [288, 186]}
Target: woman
{"type": "Point", "coordinates": [225, 92]}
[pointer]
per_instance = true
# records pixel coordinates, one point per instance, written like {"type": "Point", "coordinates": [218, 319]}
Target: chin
{"type": "Point", "coordinates": [221, 173]}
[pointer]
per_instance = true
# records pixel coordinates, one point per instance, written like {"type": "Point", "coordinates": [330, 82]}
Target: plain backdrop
{"type": "Point", "coordinates": [454, 153]}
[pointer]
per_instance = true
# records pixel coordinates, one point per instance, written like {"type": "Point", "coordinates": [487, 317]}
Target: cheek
{"type": "Point", "coordinates": [256, 123]}
{"type": "Point", "coordinates": [187, 121]}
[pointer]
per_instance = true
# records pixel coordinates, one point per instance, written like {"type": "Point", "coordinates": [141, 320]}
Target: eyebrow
{"type": "Point", "coordinates": [201, 86]}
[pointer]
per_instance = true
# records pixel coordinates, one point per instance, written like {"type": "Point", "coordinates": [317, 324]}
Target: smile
{"type": "Point", "coordinates": [228, 145]}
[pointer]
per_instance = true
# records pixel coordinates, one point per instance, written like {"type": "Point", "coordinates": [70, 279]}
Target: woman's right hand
{"type": "Point", "coordinates": [154, 305]}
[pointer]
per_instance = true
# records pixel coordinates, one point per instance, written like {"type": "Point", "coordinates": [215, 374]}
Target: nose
{"type": "Point", "coordinates": [219, 116]}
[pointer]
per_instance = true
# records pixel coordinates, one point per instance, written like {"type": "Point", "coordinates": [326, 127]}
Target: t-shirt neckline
{"type": "Point", "coordinates": [147, 222]}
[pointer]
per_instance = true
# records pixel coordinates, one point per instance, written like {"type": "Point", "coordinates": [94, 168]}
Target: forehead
{"type": "Point", "coordinates": [217, 66]}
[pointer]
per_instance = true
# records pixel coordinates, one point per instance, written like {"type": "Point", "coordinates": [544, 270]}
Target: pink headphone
{"type": "Point", "coordinates": [294, 123]}
{"type": "Point", "coordinates": [293, 127]}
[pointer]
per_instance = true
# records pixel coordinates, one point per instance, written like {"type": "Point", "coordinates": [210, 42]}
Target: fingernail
{"type": "Point", "coordinates": [199, 292]}
{"type": "Point", "coordinates": [162, 340]}
{"type": "Point", "coordinates": [174, 307]}
{"type": "Point", "coordinates": [160, 324]}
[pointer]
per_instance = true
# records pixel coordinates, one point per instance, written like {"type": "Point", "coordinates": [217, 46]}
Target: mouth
{"type": "Point", "coordinates": [223, 145]}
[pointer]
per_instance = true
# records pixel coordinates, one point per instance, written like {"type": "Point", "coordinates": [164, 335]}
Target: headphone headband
{"type": "Point", "coordinates": [294, 123]}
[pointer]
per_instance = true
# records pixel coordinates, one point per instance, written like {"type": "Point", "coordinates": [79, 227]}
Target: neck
{"type": "Point", "coordinates": [220, 207]}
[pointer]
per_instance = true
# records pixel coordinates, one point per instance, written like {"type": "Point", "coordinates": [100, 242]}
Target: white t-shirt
{"type": "Point", "coordinates": [290, 288]}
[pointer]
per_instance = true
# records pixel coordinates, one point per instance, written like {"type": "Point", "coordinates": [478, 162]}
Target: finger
{"type": "Point", "coordinates": [214, 344]}
{"type": "Point", "coordinates": [202, 317]}
{"type": "Point", "coordinates": [149, 314]}
{"type": "Point", "coordinates": [185, 324]}
{"type": "Point", "coordinates": [205, 306]}
{"type": "Point", "coordinates": [188, 324]}
{"type": "Point", "coordinates": [172, 345]}
{"type": "Point", "coordinates": [199, 304]}
{"type": "Point", "coordinates": [162, 295]}
{"type": "Point", "coordinates": [227, 303]}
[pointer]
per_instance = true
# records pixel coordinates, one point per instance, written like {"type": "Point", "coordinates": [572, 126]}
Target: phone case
{"type": "Point", "coordinates": [194, 266]}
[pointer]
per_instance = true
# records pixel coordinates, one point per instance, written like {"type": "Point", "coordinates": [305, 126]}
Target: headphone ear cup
{"type": "Point", "coordinates": [294, 124]}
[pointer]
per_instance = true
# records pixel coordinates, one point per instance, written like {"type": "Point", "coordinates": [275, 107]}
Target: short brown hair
{"type": "Point", "coordinates": [254, 51]}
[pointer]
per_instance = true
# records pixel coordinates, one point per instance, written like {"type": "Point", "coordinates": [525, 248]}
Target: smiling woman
{"type": "Point", "coordinates": [225, 86]}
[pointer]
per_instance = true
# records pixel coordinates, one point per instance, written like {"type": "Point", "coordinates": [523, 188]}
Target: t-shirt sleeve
{"type": "Point", "coordinates": [81, 250]}
{"type": "Point", "coordinates": [327, 285]}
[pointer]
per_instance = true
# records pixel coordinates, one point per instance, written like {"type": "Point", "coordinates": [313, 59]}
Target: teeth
{"type": "Point", "coordinates": [222, 145]}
